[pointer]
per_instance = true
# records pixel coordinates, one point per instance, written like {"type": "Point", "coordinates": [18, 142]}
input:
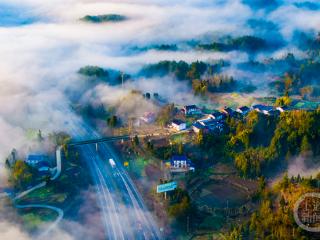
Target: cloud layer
{"type": "Point", "coordinates": [43, 44]}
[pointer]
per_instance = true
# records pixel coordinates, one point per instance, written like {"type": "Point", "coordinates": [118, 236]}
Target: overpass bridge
{"type": "Point", "coordinates": [111, 139]}
{"type": "Point", "coordinates": [100, 140]}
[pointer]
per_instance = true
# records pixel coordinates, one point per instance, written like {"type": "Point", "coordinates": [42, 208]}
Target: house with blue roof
{"type": "Point", "coordinates": [244, 110]}
{"type": "Point", "coordinates": [267, 110]}
{"type": "Point", "coordinates": [180, 163]}
{"type": "Point", "coordinates": [218, 116]}
{"type": "Point", "coordinates": [208, 125]}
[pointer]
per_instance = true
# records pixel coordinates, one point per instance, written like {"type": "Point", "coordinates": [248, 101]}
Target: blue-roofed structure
{"type": "Point", "coordinates": [244, 110]}
{"type": "Point", "coordinates": [208, 125]}
{"type": "Point", "coordinates": [263, 108]}
{"type": "Point", "coordinates": [35, 159]}
{"type": "Point", "coordinates": [218, 116]}
{"type": "Point", "coordinates": [197, 127]}
{"type": "Point", "coordinates": [180, 163]}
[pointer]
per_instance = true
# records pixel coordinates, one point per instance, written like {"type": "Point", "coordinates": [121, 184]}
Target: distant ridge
{"type": "Point", "coordinates": [104, 18]}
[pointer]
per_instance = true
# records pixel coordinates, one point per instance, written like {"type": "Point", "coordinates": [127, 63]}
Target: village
{"type": "Point", "coordinates": [171, 155]}
{"type": "Point", "coordinates": [190, 120]}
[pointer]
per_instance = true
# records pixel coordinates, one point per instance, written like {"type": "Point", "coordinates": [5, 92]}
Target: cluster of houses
{"type": "Point", "coordinates": [40, 162]}
{"type": "Point", "coordinates": [214, 122]}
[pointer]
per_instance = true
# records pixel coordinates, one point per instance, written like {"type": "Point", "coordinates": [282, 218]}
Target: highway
{"type": "Point", "coordinates": [123, 211]}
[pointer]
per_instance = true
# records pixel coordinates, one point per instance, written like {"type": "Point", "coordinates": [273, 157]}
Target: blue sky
{"type": "Point", "coordinates": [14, 16]}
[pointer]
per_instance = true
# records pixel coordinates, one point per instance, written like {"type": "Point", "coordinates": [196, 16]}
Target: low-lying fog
{"type": "Point", "coordinates": [43, 44]}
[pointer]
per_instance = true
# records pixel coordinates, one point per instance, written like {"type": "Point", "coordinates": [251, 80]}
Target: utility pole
{"type": "Point", "coordinates": [293, 232]}
{"type": "Point", "coordinates": [122, 79]}
{"type": "Point", "coordinates": [188, 225]}
{"type": "Point", "coordinates": [227, 210]}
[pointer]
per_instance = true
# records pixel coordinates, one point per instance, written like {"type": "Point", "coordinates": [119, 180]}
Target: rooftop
{"type": "Point", "coordinates": [190, 107]}
{"type": "Point", "coordinates": [244, 108]}
{"type": "Point", "coordinates": [208, 122]}
{"type": "Point", "coordinates": [262, 107]}
{"type": "Point", "coordinates": [217, 114]}
{"type": "Point", "coordinates": [179, 158]}
{"type": "Point", "coordinates": [198, 125]}
{"type": "Point", "coordinates": [36, 157]}
{"type": "Point", "coordinates": [177, 121]}
{"type": "Point", "coordinates": [228, 110]}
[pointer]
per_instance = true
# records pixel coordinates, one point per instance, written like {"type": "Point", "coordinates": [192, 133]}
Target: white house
{"type": "Point", "coordinates": [35, 159]}
{"type": "Point", "coordinates": [197, 127]}
{"type": "Point", "coordinates": [178, 125]}
{"type": "Point", "coordinates": [228, 111]}
{"type": "Point", "coordinates": [207, 124]}
{"type": "Point", "coordinates": [40, 162]}
{"type": "Point", "coordinates": [180, 163]}
{"type": "Point", "coordinates": [218, 116]}
{"type": "Point", "coordinates": [263, 109]}
{"type": "Point", "coordinates": [283, 109]}
{"type": "Point", "coordinates": [191, 110]}
{"type": "Point", "coordinates": [244, 110]}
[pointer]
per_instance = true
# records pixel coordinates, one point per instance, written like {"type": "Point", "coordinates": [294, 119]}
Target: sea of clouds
{"type": "Point", "coordinates": [43, 44]}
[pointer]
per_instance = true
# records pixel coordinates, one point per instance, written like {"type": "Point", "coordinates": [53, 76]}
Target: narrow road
{"type": "Point", "coordinates": [41, 185]}
{"type": "Point", "coordinates": [24, 193]}
{"type": "Point", "coordinates": [54, 224]}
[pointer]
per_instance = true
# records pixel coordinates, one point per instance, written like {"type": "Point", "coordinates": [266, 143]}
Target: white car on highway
{"type": "Point", "coordinates": [112, 163]}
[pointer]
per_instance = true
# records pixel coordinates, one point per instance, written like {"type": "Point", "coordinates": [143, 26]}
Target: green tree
{"type": "Point", "coordinates": [200, 138]}
{"type": "Point", "coordinates": [166, 114]}
{"type": "Point", "coordinates": [288, 81]}
{"type": "Point", "coordinates": [283, 101]}
{"type": "Point", "coordinates": [284, 184]}
{"type": "Point", "coordinates": [200, 87]}
{"type": "Point", "coordinates": [112, 121]}
{"type": "Point", "coordinates": [250, 161]}
{"type": "Point", "coordinates": [262, 183]}
{"type": "Point", "coordinates": [93, 71]}
{"type": "Point", "coordinates": [21, 175]}
{"type": "Point", "coordinates": [305, 145]}
{"type": "Point", "coordinates": [136, 141]}
{"type": "Point", "coordinates": [196, 70]}
{"type": "Point", "coordinates": [180, 148]}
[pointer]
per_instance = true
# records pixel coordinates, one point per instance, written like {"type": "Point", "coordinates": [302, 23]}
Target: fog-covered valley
{"type": "Point", "coordinates": [72, 61]}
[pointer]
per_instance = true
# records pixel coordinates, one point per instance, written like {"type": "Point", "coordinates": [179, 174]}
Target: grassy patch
{"type": "Point", "coordinates": [307, 105]}
{"type": "Point", "coordinates": [137, 166]}
{"type": "Point", "coordinates": [34, 218]}
{"type": "Point", "coordinates": [212, 223]}
{"type": "Point", "coordinates": [40, 194]}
